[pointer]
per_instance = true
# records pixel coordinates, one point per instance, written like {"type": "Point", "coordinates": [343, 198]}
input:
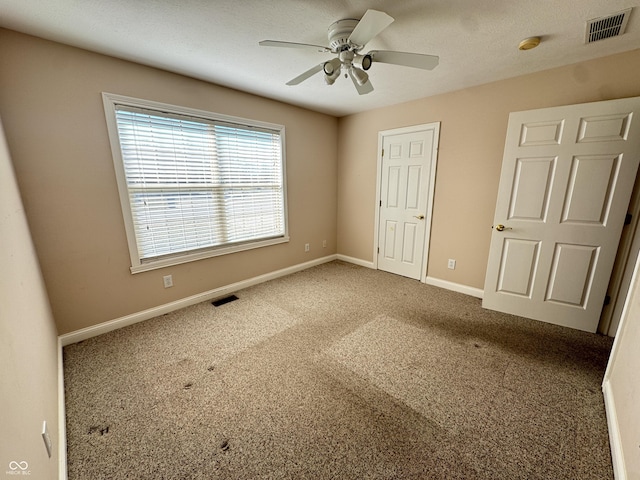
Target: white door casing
{"type": "Point", "coordinates": [406, 175]}
{"type": "Point", "coordinates": [567, 177]}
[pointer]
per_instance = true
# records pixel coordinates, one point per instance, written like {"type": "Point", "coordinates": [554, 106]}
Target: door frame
{"type": "Point", "coordinates": [435, 129]}
{"type": "Point", "coordinates": [620, 281]}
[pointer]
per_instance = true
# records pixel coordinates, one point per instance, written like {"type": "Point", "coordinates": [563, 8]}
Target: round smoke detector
{"type": "Point", "coordinates": [529, 43]}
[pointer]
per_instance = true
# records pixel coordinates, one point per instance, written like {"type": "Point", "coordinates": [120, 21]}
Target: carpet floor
{"type": "Point", "coordinates": [338, 372]}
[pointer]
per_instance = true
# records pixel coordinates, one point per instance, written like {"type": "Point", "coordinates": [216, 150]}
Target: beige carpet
{"type": "Point", "coordinates": [338, 372]}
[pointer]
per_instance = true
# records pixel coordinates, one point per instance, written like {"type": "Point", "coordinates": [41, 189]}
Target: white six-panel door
{"type": "Point", "coordinates": [567, 177]}
{"type": "Point", "coordinates": [407, 163]}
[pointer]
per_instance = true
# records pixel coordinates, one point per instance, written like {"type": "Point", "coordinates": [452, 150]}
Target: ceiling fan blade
{"type": "Point", "coordinates": [362, 89]}
{"type": "Point", "coordinates": [276, 43]}
{"type": "Point", "coordinates": [309, 73]}
{"type": "Point", "coordinates": [370, 25]}
{"type": "Point", "coordinates": [414, 60]}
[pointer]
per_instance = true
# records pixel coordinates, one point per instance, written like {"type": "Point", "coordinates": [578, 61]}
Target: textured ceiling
{"type": "Point", "coordinates": [217, 40]}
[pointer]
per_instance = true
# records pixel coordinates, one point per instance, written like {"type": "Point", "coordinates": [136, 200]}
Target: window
{"type": "Point", "coordinates": [194, 184]}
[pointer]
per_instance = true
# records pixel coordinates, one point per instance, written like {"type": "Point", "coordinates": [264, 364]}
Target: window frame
{"type": "Point", "coordinates": [110, 102]}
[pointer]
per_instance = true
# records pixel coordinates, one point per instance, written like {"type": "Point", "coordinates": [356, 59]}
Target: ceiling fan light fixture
{"type": "Point", "coordinates": [331, 70]}
{"type": "Point", "coordinates": [360, 76]}
{"type": "Point", "coordinates": [363, 61]}
{"type": "Point", "coordinates": [332, 67]}
{"type": "Point", "coordinates": [330, 80]}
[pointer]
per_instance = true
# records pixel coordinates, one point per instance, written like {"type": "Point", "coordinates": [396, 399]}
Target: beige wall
{"type": "Point", "coordinates": [473, 128]}
{"type": "Point", "coordinates": [28, 341]}
{"type": "Point", "coordinates": [622, 385]}
{"type": "Point", "coordinates": [50, 99]}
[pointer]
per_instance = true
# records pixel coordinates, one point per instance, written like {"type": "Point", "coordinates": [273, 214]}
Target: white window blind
{"type": "Point", "coordinates": [198, 183]}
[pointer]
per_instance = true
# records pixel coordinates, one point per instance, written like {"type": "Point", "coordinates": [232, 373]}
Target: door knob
{"type": "Point", "coordinates": [419, 217]}
{"type": "Point", "coordinates": [501, 227]}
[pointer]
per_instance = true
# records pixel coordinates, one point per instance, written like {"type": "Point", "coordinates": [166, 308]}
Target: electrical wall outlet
{"type": "Point", "coordinates": [452, 264]}
{"type": "Point", "coordinates": [47, 438]}
{"type": "Point", "coordinates": [306, 247]}
{"type": "Point", "coordinates": [168, 281]}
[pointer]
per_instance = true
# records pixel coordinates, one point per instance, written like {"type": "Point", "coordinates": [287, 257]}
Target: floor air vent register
{"type": "Point", "coordinates": [224, 300]}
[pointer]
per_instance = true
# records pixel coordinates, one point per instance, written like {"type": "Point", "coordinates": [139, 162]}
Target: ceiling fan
{"type": "Point", "coordinates": [347, 38]}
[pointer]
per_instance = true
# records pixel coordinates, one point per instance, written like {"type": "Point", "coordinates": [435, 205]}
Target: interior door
{"type": "Point", "coordinates": [407, 165]}
{"type": "Point", "coordinates": [567, 177]}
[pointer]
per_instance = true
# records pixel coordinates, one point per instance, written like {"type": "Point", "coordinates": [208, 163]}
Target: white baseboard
{"type": "Point", "coordinates": [95, 330]}
{"type": "Point", "coordinates": [456, 287]}
{"type": "Point", "coordinates": [355, 261]}
{"type": "Point", "coordinates": [62, 419]}
{"type": "Point", "coordinates": [436, 282]}
{"type": "Point", "coordinates": [617, 458]}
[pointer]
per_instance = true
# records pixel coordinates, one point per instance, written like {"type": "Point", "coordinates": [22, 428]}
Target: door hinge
{"type": "Point", "coordinates": [383, 152]}
{"type": "Point", "coordinates": [627, 219]}
{"type": "Point", "coordinates": [380, 202]}
{"type": "Point", "coordinates": [607, 300]}
{"type": "Point", "coordinates": [378, 249]}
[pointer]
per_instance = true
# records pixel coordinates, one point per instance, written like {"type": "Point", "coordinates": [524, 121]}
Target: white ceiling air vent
{"type": "Point", "coordinates": [607, 27]}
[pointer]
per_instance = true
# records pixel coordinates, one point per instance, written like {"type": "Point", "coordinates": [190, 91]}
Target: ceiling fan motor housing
{"type": "Point", "coordinates": [339, 33]}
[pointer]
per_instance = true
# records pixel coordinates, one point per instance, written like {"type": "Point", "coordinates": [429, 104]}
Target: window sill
{"type": "Point", "coordinates": [200, 255]}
